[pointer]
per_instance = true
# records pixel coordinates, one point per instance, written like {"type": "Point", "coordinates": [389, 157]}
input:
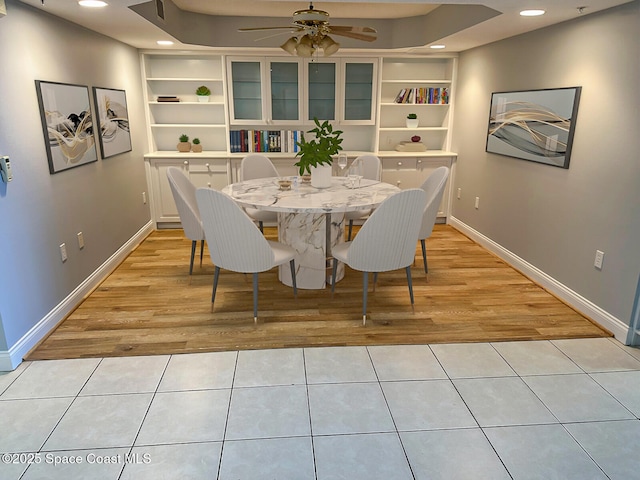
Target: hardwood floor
{"type": "Point", "coordinates": [147, 306]}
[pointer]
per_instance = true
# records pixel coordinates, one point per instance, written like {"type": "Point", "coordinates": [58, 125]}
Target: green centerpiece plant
{"type": "Point", "coordinates": [319, 150]}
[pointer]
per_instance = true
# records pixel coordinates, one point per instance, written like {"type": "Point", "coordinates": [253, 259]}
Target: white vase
{"type": "Point", "coordinates": [412, 123]}
{"type": "Point", "coordinates": [203, 98]}
{"type": "Point", "coordinates": [321, 176]}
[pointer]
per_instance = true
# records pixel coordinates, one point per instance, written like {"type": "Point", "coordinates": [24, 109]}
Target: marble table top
{"type": "Point", "coordinates": [265, 194]}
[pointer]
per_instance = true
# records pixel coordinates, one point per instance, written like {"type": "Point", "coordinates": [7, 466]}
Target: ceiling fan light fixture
{"type": "Point", "coordinates": [290, 46]}
{"type": "Point", "coordinates": [305, 47]}
{"type": "Point", "coordinates": [329, 46]}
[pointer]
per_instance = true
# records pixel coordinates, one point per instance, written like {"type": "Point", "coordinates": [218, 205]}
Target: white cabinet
{"type": "Point", "coordinates": [423, 86]}
{"type": "Point", "coordinates": [264, 91]}
{"type": "Point", "coordinates": [176, 77]}
{"type": "Point", "coordinates": [203, 172]}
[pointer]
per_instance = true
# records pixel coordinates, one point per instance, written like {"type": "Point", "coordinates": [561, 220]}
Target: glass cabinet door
{"type": "Point", "coordinates": [246, 90]}
{"type": "Point", "coordinates": [285, 91]}
{"type": "Point", "coordinates": [321, 90]}
{"type": "Point", "coordinates": [358, 91]}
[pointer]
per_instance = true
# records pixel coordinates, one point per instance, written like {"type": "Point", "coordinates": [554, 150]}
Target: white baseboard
{"type": "Point", "coordinates": [575, 300]}
{"type": "Point", "coordinates": [10, 359]}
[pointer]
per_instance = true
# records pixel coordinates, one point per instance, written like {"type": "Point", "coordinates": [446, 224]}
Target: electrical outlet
{"type": "Point", "coordinates": [80, 240]}
{"type": "Point", "coordinates": [459, 193]}
{"type": "Point", "coordinates": [477, 203]}
{"type": "Point", "coordinates": [63, 252]}
{"type": "Point", "coordinates": [144, 198]}
{"type": "Point", "coordinates": [599, 259]}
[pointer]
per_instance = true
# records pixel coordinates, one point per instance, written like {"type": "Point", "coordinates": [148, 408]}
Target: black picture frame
{"type": "Point", "coordinates": [67, 125]}
{"type": "Point", "coordinates": [534, 125]}
{"type": "Point", "coordinates": [112, 121]}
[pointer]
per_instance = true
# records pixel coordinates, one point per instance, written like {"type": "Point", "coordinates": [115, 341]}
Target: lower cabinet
{"type": "Point", "coordinates": [203, 172]}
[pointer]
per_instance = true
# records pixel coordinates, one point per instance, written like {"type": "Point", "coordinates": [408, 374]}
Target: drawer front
{"type": "Point", "coordinates": [205, 166]}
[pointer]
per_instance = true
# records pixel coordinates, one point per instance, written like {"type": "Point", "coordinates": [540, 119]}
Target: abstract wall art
{"type": "Point", "coordinates": [534, 125]}
{"type": "Point", "coordinates": [67, 125]}
{"type": "Point", "coordinates": [112, 121]}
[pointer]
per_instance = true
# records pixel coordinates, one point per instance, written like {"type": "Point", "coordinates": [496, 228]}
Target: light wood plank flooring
{"type": "Point", "coordinates": [148, 306]}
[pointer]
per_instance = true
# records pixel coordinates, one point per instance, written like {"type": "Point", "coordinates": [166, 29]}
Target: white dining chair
{"type": "Point", "coordinates": [257, 165]}
{"type": "Point", "coordinates": [386, 241]}
{"type": "Point", "coordinates": [433, 186]}
{"type": "Point", "coordinates": [370, 167]}
{"type": "Point", "coordinates": [184, 195]}
{"type": "Point", "coordinates": [236, 244]}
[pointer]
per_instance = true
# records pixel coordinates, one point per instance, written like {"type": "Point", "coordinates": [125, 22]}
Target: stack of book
{"type": "Point", "coordinates": [423, 95]}
{"type": "Point", "coordinates": [284, 141]}
{"type": "Point", "coordinates": [168, 98]}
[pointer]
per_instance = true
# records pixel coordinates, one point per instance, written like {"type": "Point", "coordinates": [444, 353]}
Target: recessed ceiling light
{"type": "Point", "coordinates": [164, 42]}
{"type": "Point", "coordinates": [92, 3]}
{"type": "Point", "coordinates": [436, 46]}
{"type": "Point", "coordinates": [531, 13]}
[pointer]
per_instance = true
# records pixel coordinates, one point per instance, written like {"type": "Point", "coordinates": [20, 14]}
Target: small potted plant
{"type": "Point", "coordinates": [316, 154]}
{"type": "Point", "coordinates": [184, 145]}
{"type": "Point", "coordinates": [196, 147]}
{"type": "Point", "coordinates": [203, 93]}
{"type": "Point", "coordinates": [412, 120]}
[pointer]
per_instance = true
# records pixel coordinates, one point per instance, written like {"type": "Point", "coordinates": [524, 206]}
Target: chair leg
{"type": "Point", "coordinates": [261, 226]}
{"type": "Point", "coordinates": [293, 279]}
{"type": "Point", "coordinates": [424, 255]}
{"type": "Point", "coordinates": [194, 243]}
{"type": "Point", "coordinates": [255, 298]}
{"type": "Point", "coordinates": [410, 284]}
{"type": "Point", "coordinates": [350, 228]}
{"type": "Point", "coordinates": [216, 274]}
{"type": "Point", "coordinates": [201, 251]}
{"type": "Point", "coordinates": [365, 288]}
{"type": "Point", "coordinates": [334, 270]}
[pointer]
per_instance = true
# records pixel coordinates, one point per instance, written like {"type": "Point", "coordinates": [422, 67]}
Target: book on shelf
{"type": "Point", "coordinates": [423, 96]}
{"type": "Point", "coordinates": [268, 141]}
{"type": "Point", "coordinates": [168, 98]}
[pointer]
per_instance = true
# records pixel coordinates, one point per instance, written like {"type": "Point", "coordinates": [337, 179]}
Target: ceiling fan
{"type": "Point", "coordinates": [311, 29]}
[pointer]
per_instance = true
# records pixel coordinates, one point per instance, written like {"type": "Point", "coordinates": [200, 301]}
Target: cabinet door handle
{"type": "Point", "coordinates": [399, 164]}
{"type": "Point", "coordinates": [419, 161]}
{"type": "Point", "coordinates": [186, 162]}
{"type": "Point", "coordinates": [398, 183]}
{"type": "Point", "coordinates": [209, 184]}
{"type": "Point", "coordinates": [206, 165]}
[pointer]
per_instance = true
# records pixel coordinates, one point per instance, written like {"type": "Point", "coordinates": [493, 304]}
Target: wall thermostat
{"type": "Point", "coordinates": [5, 169]}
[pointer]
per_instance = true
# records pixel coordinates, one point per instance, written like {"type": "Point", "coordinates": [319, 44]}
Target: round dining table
{"type": "Point", "coordinates": [310, 219]}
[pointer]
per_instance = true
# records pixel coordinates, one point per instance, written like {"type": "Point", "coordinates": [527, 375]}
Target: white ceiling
{"type": "Point", "coordinates": [118, 21]}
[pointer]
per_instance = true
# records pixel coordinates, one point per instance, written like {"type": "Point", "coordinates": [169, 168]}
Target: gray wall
{"type": "Point", "coordinates": [553, 218]}
{"type": "Point", "coordinates": [39, 211]}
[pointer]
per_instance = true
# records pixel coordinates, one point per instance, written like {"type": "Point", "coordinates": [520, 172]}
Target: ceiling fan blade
{"type": "Point", "coordinates": [357, 36]}
{"type": "Point", "coordinates": [292, 32]}
{"type": "Point", "coordinates": [256, 29]}
{"type": "Point", "coordinates": [353, 29]}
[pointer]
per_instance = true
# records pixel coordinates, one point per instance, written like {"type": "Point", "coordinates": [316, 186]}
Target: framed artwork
{"type": "Point", "coordinates": [534, 125]}
{"type": "Point", "coordinates": [67, 125]}
{"type": "Point", "coordinates": [112, 121]}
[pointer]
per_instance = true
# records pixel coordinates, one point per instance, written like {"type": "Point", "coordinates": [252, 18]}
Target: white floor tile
{"type": "Point", "coordinates": [613, 445]}
{"type": "Point", "coordinates": [338, 364]}
{"type": "Point", "coordinates": [12, 471]}
{"type": "Point", "coordinates": [7, 378]}
{"type": "Point", "coordinates": [536, 358]}
{"type": "Point", "coordinates": [624, 386]}
{"type": "Point", "coordinates": [26, 424]}
{"type": "Point", "coordinates": [192, 461]}
{"type": "Point", "coordinates": [542, 452]}
{"type": "Point", "coordinates": [270, 367]}
{"type": "Point", "coordinates": [463, 454]}
{"type": "Point", "coordinates": [266, 412]}
{"type": "Point", "coordinates": [194, 416]}
{"type": "Point", "coordinates": [100, 422]}
{"type": "Point", "coordinates": [502, 401]}
{"type": "Point", "coordinates": [199, 371]}
{"type": "Point", "coordinates": [405, 362]}
{"type": "Point", "coordinates": [126, 375]}
{"type": "Point", "coordinates": [472, 360]}
{"type": "Point", "coordinates": [361, 457]}
{"type": "Point", "coordinates": [277, 458]}
{"type": "Point", "coordinates": [348, 408]}
{"type": "Point", "coordinates": [597, 355]}
{"type": "Point", "coordinates": [576, 398]}
{"type": "Point", "coordinates": [65, 465]}
{"type": "Point", "coordinates": [52, 378]}
{"type": "Point", "coordinates": [426, 405]}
